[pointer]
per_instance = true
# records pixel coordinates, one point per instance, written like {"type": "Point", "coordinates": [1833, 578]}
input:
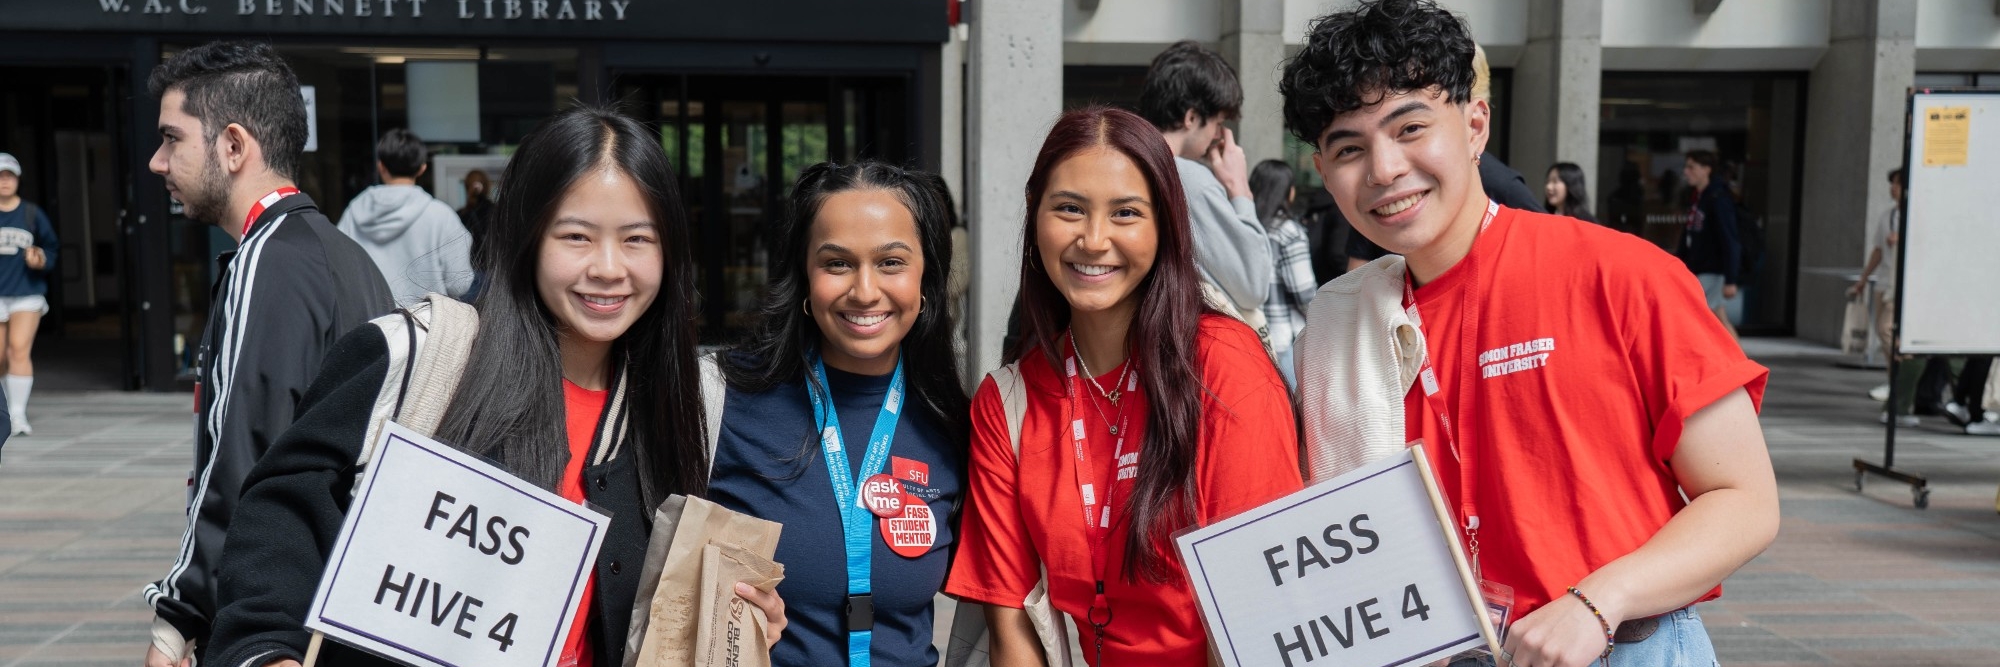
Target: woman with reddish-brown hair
{"type": "Point", "coordinates": [1141, 412]}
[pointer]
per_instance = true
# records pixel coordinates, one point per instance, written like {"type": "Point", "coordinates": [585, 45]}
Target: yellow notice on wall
{"type": "Point", "coordinates": [1947, 136]}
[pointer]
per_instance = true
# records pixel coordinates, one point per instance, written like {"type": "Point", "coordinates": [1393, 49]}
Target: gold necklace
{"type": "Point", "coordinates": [1117, 387]}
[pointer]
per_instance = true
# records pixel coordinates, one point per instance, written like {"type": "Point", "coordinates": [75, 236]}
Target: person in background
{"type": "Point", "coordinates": [232, 129]}
{"type": "Point", "coordinates": [1628, 201]}
{"type": "Point", "coordinates": [1292, 281]}
{"type": "Point", "coordinates": [1882, 254]}
{"type": "Point", "coordinates": [414, 239]}
{"type": "Point", "coordinates": [27, 259]}
{"type": "Point", "coordinates": [1567, 195]}
{"type": "Point", "coordinates": [854, 336]}
{"type": "Point", "coordinates": [1129, 384]}
{"type": "Point", "coordinates": [478, 209]}
{"type": "Point", "coordinates": [1709, 245]}
{"type": "Point", "coordinates": [1188, 94]}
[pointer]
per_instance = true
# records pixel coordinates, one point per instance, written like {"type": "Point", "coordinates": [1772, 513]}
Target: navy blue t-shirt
{"type": "Point", "coordinates": [768, 464]}
{"type": "Point", "coordinates": [17, 232]}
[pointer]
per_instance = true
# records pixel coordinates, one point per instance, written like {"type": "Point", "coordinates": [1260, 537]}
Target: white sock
{"type": "Point", "coordinates": [18, 387]}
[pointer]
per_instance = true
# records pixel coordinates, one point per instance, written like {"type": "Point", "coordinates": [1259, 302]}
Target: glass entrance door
{"type": "Point", "coordinates": [738, 143]}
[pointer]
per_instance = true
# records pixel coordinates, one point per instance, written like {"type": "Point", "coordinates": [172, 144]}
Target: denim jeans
{"type": "Point", "coordinates": [1681, 641]}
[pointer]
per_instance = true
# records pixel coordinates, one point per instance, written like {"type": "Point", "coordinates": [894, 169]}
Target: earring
{"type": "Point", "coordinates": [806, 305]}
{"type": "Point", "coordinates": [1475, 158]}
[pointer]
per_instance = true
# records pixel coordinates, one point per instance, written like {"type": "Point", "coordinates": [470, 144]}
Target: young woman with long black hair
{"type": "Point", "coordinates": [847, 391]}
{"type": "Point", "coordinates": [1183, 417]}
{"type": "Point", "coordinates": [582, 380]}
{"type": "Point", "coordinates": [1566, 192]}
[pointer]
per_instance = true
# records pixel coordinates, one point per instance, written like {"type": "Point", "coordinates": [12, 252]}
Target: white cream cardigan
{"type": "Point", "coordinates": [1356, 360]}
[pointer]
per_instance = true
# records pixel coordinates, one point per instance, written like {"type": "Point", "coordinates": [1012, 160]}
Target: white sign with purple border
{"type": "Point", "coordinates": [1363, 569]}
{"type": "Point", "coordinates": [447, 560]}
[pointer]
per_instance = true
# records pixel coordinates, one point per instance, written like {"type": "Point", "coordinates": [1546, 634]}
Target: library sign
{"type": "Point", "coordinates": [818, 20]}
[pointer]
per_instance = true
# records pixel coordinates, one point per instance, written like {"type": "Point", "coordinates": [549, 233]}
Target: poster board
{"type": "Point", "coordinates": [1951, 243]}
{"type": "Point", "coordinates": [1365, 569]}
{"type": "Point", "coordinates": [445, 560]}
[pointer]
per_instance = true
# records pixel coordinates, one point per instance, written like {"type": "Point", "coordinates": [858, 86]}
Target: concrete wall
{"type": "Point", "coordinates": [1131, 32]}
{"type": "Point", "coordinates": [1958, 36]}
{"type": "Point", "coordinates": [1740, 35]}
{"type": "Point", "coordinates": [1496, 24]}
{"type": "Point", "coordinates": [1557, 86]}
{"type": "Point", "coordinates": [1854, 136]}
{"type": "Point", "coordinates": [1014, 72]}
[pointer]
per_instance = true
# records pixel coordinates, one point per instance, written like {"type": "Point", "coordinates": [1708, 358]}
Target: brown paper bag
{"type": "Point", "coordinates": [665, 520]}
{"type": "Point", "coordinates": [668, 639]}
{"type": "Point", "coordinates": [731, 633]}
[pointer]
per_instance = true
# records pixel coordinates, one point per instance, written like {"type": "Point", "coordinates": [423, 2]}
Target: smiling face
{"type": "Point", "coordinates": [864, 273]}
{"type": "Point", "coordinates": [600, 262]}
{"type": "Point", "coordinates": [186, 158]}
{"type": "Point", "coordinates": [1555, 189]}
{"type": "Point", "coordinates": [1403, 170]}
{"type": "Point", "coordinates": [1096, 233]}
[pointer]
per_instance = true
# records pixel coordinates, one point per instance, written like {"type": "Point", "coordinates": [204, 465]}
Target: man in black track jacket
{"type": "Point", "coordinates": [232, 127]}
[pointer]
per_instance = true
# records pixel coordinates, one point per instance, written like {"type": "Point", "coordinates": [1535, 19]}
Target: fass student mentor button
{"type": "Point", "coordinates": [447, 560]}
{"type": "Point", "coordinates": [1363, 569]}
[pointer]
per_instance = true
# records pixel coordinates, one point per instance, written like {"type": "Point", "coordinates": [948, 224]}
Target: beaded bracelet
{"type": "Point", "coordinates": [1608, 635]}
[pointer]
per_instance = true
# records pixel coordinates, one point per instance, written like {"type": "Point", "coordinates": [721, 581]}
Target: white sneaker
{"type": "Point", "coordinates": [1958, 414]}
{"type": "Point", "coordinates": [21, 427]}
{"type": "Point", "coordinates": [1983, 428]}
{"type": "Point", "coordinates": [1880, 392]}
{"type": "Point", "coordinates": [1905, 421]}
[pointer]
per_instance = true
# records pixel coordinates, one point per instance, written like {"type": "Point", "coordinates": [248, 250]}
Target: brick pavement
{"type": "Point", "coordinates": [90, 509]}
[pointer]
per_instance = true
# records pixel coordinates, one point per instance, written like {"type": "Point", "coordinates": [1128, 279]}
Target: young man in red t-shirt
{"type": "Point", "coordinates": [1594, 430]}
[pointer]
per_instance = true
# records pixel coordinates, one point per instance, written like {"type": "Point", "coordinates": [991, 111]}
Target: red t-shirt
{"type": "Point", "coordinates": [1591, 349]}
{"type": "Point", "coordinates": [1022, 517]}
{"type": "Point", "coordinates": [582, 407]}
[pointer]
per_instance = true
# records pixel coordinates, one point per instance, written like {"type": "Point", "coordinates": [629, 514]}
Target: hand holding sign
{"type": "Point", "coordinates": [1363, 569]}
{"type": "Point", "coordinates": [447, 560]}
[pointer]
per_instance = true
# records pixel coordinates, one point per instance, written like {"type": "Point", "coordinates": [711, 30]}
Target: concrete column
{"type": "Point", "coordinates": [1854, 135]}
{"type": "Point", "coordinates": [951, 107]}
{"type": "Point", "coordinates": [1253, 41]}
{"type": "Point", "coordinates": [1014, 70]}
{"type": "Point", "coordinates": [1557, 86]}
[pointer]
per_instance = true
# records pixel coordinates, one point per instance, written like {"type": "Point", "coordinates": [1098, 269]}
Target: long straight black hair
{"type": "Point", "coordinates": [510, 408]}
{"type": "Point", "coordinates": [1161, 337]}
{"type": "Point", "coordinates": [1576, 195]}
{"type": "Point", "coordinates": [783, 342]}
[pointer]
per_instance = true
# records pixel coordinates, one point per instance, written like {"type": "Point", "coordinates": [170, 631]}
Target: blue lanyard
{"type": "Point", "coordinates": [857, 524]}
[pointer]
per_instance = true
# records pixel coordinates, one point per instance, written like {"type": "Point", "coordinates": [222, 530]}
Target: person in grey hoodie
{"type": "Point", "coordinates": [1188, 93]}
{"type": "Point", "coordinates": [416, 240]}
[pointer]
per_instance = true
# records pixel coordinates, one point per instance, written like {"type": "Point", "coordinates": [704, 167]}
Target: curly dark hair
{"type": "Point", "coordinates": [1354, 59]}
{"type": "Point", "coordinates": [1186, 76]}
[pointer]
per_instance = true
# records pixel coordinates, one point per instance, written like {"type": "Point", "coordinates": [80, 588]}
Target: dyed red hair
{"type": "Point", "coordinates": [1161, 337]}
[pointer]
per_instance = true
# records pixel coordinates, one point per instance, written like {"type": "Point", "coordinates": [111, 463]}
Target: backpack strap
{"type": "Point", "coordinates": [431, 378]}
{"type": "Point", "coordinates": [1013, 401]}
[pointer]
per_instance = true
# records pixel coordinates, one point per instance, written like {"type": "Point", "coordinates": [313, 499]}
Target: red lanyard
{"type": "Point", "coordinates": [1428, 383]}
{"type": "Point", "coordinates": [265, 203]}
{"type": "Point", "coordinates": [1097, 515]}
